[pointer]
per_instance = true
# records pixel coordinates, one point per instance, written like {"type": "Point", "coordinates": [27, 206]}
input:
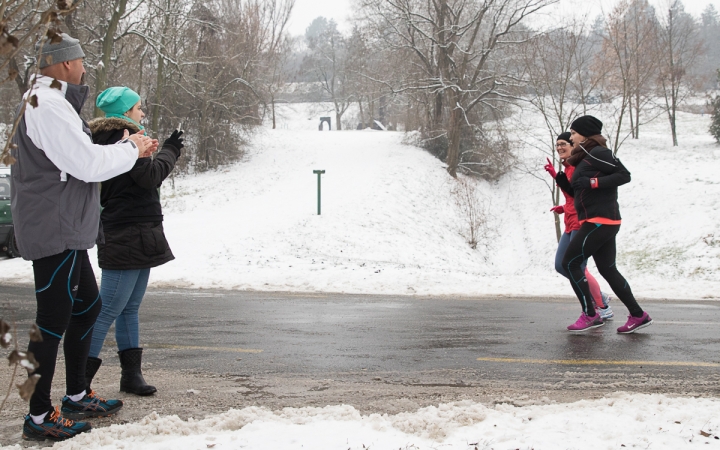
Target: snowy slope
{"type": "Point", "coordinates": [389, 223]}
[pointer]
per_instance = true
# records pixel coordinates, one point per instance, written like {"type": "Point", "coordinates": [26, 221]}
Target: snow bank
{"type": "Point", "coordinates": [620, 420]}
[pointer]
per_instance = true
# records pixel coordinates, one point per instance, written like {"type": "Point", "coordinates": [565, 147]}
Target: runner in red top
{"type": "Point", "coordinates": [572, 225]}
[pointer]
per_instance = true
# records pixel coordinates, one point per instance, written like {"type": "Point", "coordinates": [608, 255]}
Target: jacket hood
{"type": "Point", "coordinates": [105, 124]}
{"type": "Point", "coordinates": [76, 95]}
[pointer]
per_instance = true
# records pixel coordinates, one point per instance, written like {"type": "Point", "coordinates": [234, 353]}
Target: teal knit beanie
{"type": "Point", "coordinates": [116, 101]}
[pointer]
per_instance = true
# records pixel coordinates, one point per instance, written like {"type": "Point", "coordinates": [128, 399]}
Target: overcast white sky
{"type": "Point", "coordinates": [307, 10]}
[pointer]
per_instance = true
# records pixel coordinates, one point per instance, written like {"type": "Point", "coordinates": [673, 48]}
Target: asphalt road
{"type": "Point", "coordinates": [443, 341]}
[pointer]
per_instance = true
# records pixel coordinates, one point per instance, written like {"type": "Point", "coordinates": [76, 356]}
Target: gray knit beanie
{"type": "Point", "coordinates": [65, 50]}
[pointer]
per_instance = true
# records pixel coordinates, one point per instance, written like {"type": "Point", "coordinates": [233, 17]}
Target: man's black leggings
{"type": "Point", "coordinates": [68, 302]}
{"type": "Point", "coordinates": [597, 241]}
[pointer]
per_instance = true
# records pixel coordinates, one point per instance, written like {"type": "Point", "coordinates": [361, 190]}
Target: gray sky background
{"type": "Point", "coordinates": [307, 10]}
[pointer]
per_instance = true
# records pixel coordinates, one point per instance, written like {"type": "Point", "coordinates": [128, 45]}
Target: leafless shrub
{"type": "Point", "coordinates": [483, 154]}
{"type": "Point", "coordinates": [486, 156]}
{"type": "Point", "coordinates": [473, 211]}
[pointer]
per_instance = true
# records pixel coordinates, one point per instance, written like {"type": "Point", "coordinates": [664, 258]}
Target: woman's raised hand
{"type": "Point", "coordinates": [550, 168]}
{"type": "Point", "coordinates": [175, 139]}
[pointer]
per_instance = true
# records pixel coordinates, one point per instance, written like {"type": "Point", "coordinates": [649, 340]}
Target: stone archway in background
{"type": "Point", "coordinates": [323, 120]}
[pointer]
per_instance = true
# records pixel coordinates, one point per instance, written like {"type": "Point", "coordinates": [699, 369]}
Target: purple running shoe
{"type": "Point", "coordinates": [586, 322]}
{"type": "Point", "coordinates": [635, 323]}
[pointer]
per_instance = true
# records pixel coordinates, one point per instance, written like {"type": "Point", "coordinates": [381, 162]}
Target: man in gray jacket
{"type": "Point", "coordinates": [56, 212]}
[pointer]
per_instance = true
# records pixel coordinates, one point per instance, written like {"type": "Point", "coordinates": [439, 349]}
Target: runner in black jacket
{"type": "Point", "coordinates": [598, 173]}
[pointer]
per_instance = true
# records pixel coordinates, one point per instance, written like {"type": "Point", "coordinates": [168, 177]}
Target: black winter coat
{"type": "Point", "coordinates": [132, 216]}
{"type": "Point", "coordinates": [602, 201]}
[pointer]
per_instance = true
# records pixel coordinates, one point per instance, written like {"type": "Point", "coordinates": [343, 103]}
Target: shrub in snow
{"type": "Point", "coordinates": [485, 152]}
{"type": "Point", "coordinates": [715, 124]}
{"type": "Point", "coordinates": [473, 211]}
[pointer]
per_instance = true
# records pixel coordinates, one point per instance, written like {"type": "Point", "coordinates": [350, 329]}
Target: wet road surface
{"type": "Point", "coordinates": [429, 341]}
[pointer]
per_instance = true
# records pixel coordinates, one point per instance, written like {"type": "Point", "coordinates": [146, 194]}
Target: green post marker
{"type": "Point", "coordinates": [319, 173]}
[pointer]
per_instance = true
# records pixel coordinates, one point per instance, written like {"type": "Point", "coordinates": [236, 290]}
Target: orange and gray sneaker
{"type": "Point", "coordinates": [91, 405]}
{"type": "Point", "coordinates": [54, 428]}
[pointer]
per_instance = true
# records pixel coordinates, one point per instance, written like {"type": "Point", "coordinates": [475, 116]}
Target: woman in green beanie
{"type": "Point", "coordinates": [134, 237]}
{"type": "Point", "coordinates": [123, 103]}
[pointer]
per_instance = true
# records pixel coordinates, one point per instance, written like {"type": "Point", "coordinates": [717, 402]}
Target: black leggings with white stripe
{"type": "Point", "coordinates": [68, 302]}
{"type": "Point", "coordinates": [597, 241]}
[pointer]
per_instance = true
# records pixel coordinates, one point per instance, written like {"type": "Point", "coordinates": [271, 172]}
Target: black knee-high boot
{"type": "Point", "coordinates": [132, 380]}
{"type": "Point", "coordinates": [91, 368]}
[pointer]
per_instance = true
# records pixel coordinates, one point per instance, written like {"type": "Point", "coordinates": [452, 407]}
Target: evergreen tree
{"type": "Point", "coordinates": [715, 124]}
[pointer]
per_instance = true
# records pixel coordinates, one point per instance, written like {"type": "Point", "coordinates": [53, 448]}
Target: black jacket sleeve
{"type": "Point", "coordinates": [612, 172]}
{"type": "Point", "coordinates": [564, 184]}
{"type": "Point", "coordinates": [149, 173]}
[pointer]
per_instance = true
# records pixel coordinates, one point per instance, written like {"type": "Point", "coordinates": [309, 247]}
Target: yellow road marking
{"type": "Point", "coordinates": [193, 347]}
{"type": "Point", "coordinates": [600, 362]}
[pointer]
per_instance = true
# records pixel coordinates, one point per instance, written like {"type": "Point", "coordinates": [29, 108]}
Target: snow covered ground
{"type": "Point", "coordinates": [389, 223]}
{"type": "Point", "coordinates": [618, 421]}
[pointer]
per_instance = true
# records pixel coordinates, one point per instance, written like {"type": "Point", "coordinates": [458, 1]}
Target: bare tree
{"type": "Point", "coordinates": [644, 29]}
{"type": "Point", "coordinates": [559, 72]}
{"type": "Point", "coordinates": [276, 52]}
{"type": "Point", "coordinates": [629, 52]}
{"type": "Point", "coordinates": [457, 44]}
{"type": "Point", "coordinates": [328, 60]}
{"type": "Point", "coordinates": [679, 47]}
{"type": "Point", "coordinates": [110, 28]}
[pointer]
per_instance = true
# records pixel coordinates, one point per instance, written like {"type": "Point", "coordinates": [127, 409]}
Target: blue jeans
{"type": "Point", "coordinates": [122, 292]}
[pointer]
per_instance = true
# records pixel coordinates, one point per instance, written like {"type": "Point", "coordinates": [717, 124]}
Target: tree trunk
{"type": "Point", "coordinates": [437, 114]}
{"type": "Point", "coordinates": [160, 81]}
{"type": "Point", "coordinates": [338, 116]}
{"type": "Point", "coordinates": [637, 116]}
{"type": "Point", "coordinates": [272, 103]}
{"type": "Point", "coordinates": [362, 115]}
{"type": "Point", "coordinates": [141, 73]}
{"type": "Point", "coordinates": [107, 48]}
{"type": "Point", "coordinates": [673, 127]}
{"type": "Point", "coordinates": [632, 118]}
{"type": "Point", "coordinates": [454, 128]}
{"type": "Point", "coordinates": [20, 79]}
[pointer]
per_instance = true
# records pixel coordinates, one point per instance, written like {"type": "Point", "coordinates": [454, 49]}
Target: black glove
{"type": "Point", "coordinates": [581, 183]}
{"type": "Point", "coordinates": [175, 140]}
